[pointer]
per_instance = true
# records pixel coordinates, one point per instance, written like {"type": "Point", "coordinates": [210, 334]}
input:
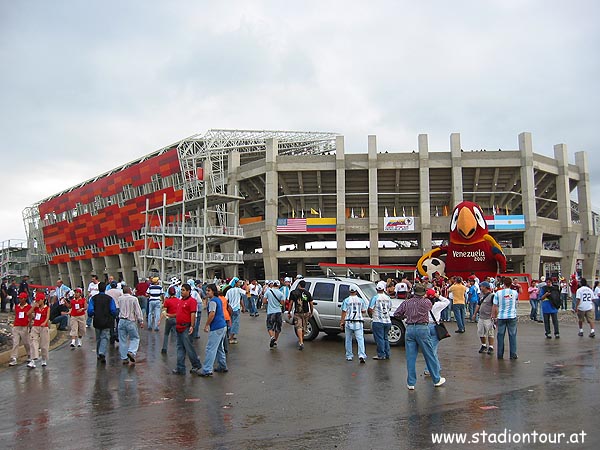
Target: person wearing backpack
{"type": "Point", "coordinates": [551, 301]}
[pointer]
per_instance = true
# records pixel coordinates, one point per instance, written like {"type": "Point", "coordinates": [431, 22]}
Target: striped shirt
{"type": "Point", "coordinates": [415, 309]}
{"type": "Point", "coordinates": [129, 308]}
{"type": "Point", "coordinates": [506, 300]}
{"type": "Point", "coordinates": [155, 291]}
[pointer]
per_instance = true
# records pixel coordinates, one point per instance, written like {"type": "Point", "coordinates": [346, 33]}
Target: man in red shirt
{"type": "Point", "coordinates": [20, 328]}
{"type": "Point", "coordinates": [170, 306]}
{"type": "Point", "coordinates": [40, 335]}
{"type": "Point", "coordinates": [185, 320]}
{"type": "Point", "coordinates": [141, 292]}
{"type": "Point", "coordinates": [77, 312]}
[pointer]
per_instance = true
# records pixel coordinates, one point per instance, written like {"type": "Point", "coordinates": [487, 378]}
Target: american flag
{"type": "Point", "coordinates": [291, 225]}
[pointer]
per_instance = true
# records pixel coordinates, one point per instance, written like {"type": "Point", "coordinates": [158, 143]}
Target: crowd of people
{"type": "Point", "coordinates": [117, 312]}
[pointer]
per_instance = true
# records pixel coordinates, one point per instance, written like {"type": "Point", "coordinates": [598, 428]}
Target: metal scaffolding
{"type": "Point", "coordinates": [207, 220]}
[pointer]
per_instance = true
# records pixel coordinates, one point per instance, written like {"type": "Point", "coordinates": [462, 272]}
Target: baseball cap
{"type": "Point", "coordinates": [78, 290]}
{"type": "Point", "coordinates": [485, 284]}
{"type": "Point", "coordinates": [430, 293]}
{"type": "Point", "coordinates": [287, 279]}
{"type": "Point", "coordinates": [22, 295]}
{"type": "Point", "coordinates": [353, 288]}
{"type": "Point", "coordinates": [381, 286]}
{"type": "Point", "coordinates": [277, 283]}
{"type": "Point", "coordinates": [299, 276]}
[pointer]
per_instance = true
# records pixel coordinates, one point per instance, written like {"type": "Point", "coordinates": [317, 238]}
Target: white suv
{"type": "Point", "coordinates": [328, 295]}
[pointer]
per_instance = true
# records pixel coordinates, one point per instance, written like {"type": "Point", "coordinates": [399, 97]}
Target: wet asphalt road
{"type": "Point", "coordinates": [285, 398]}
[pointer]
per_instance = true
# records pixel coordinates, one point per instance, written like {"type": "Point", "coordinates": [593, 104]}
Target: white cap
{"type": "Point", "coordinates": [353, 288]}
{"type": "Point", "coordinates": [299, 276]}
{"type": "Point", "coordinates": [381, 286]}
{"type": "Point", "coordinates": [277, 283]}
{"type": "Point", "coordinates": [287, 279]}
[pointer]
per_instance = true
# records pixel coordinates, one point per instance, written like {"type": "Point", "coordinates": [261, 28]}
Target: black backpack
{"type": "Point", "coordinates": [555, 296]}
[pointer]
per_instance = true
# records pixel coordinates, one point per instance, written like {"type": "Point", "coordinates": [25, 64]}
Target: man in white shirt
{"type": "Point", "coordinates": [234, 297]}
{"type": "Point", "coordinates": [91, 291]}
{"type": "Point", "coordinates": [584, 307]}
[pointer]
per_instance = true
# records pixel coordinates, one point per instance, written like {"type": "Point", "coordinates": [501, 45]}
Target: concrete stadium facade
{"type": "Point", "coordinates": [268, 204]}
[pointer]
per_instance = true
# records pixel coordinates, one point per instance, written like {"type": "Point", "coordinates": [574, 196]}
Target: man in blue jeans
{"type": "Point", "coordinates": [504, 312]}
{"type": "Point", "coordinates": [130, 314]}
{"type": "Point", "coordinates": [102, 310]}
{"type": "Point", "coordinates": [416, 312]}
{"type": "Point", "coordinates": [216, 327]}
{"type": "Point", "coordinates": [379, 310]}
{"type": "Point", "coordinates": [185, 318]}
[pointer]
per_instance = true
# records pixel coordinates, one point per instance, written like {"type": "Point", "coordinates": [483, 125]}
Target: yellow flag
{"type": "Point", "coordinates": [293, 213]}
{"type": "Point", "coordinates": [314, 212]}
{"type": "Point", "coordinates": [362, 212]}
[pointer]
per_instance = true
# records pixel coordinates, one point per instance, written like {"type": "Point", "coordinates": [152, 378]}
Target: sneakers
{"type": "Point", "coordinates": [490, 350]}
{"type": "Point", "coordinates": [79, 342]}
{"type": "Point", "coordinates": [361, 360]}
{"type": "Point", "coordinates": [548, 336]}
{"type": "Point", "coordinates": [514, 357]}
{"type": "Point", "coordinates": [195, 370]}
{"type": "Point", "coordinates": [348, 359]}
{"type": "Point", "coordinates": [440, 383]}
{"type": "Point", "coordinates": [300, 347]}
{"type": "Point", "coordinates": [580, 333]}
{"type": "Point", "coordinates": [12, 362]}
{"type": "Point", "coordinates": [31, 364]}
{"type": "Point", "coordinates": [102, 359]}
{"type": "Point", "coordinates": [72, 343]}
{"type": "Point", "coordinates": [44, 363]}
{"type": "Point", "coordinates": [272, 342]}
{"type": "Point", "coordinates": [221, 370]}
{"type": "Point", "coordinates": [410, 388]}
{"type": "Point", "coordinates": [204, 374]}
{"type": "Point", "coordinates": [377, 358]}
{"type": "Point", "coordinates": [557, 336]}
{"type": "Point", "coordinates": [426, 373]}
{"type": "Point", "coordinates": [131, 357]}
{"type": "Point", "coordinates": [483, 349]}
{"type": "Point", "coordinates": [592, 334]}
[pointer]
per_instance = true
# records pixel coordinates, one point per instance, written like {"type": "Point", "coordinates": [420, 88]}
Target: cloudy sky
{"type": "Point", "coordinates": [86, 86]}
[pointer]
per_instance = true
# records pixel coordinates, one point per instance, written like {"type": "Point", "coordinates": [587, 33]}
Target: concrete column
{"type": "Point", "coordinates": [74, 279]}
{"type": "Point", "coordinates": [457, 183]}
{"type": "Point", "coordinates": [301, 268]}
{"type": "Point", "coordinates": [113, 266]}
{"type": "Point", "coordinates": [269, 236]}
{"type": "Point", "coordinates": [373, 203]}
{"type": "Point", "coordinates": [86, 270]}
{"type": "Point", "coordinates": [425, 201]}
{"type": "Point", "coordinates": [98, 267]}
{"type": "Point", "coordinates": [532, 238]}
{"type": "Point", "coordinates": [590, 243]}
{"type": "Point", "coordinates": [340, 181]}
{"type": "Point", "coordinates": [563, 190]}
{"type": "Point", "coordinates": [126, 262]}
{"type": "Point", "coordinates": [63, 273]}
{"type": "Point", "coordinates": [43, 274]}
{"type": "Point", "coordinates": [53, 274]}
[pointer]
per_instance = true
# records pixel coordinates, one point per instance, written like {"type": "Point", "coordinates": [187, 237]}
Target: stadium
{"type": "Point", "coordinates": [266, 204]}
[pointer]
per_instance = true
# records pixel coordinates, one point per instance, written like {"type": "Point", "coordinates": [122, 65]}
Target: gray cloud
{"type": "Point", "coordinates": [89, 86]}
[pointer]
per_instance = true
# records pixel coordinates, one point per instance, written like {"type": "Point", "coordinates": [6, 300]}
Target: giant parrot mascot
{"type": "Point", "coordinates": [470, 248]}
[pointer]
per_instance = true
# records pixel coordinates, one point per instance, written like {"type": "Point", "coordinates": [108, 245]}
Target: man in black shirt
{"type": "Point", "coordinates": [59, 313]}
{"type": "Point", "coordinates": [301, 303]}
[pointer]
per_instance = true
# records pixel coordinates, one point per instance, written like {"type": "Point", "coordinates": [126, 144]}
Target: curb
{"type": "Point", "coordinates": [55, 341]}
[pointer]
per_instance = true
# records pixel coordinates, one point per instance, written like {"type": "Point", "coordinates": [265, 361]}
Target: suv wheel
{"type": "Point", "coordinates": [312, 330]}
{"type": "Point", "coordinates": [396, 334]}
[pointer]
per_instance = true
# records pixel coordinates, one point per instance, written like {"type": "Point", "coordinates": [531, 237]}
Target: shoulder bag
{"type": "Point", "coordinates": [440, 328]}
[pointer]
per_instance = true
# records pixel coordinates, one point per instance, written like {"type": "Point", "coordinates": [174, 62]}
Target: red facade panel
{"type": "Point", "coordinates": [87, 229]}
